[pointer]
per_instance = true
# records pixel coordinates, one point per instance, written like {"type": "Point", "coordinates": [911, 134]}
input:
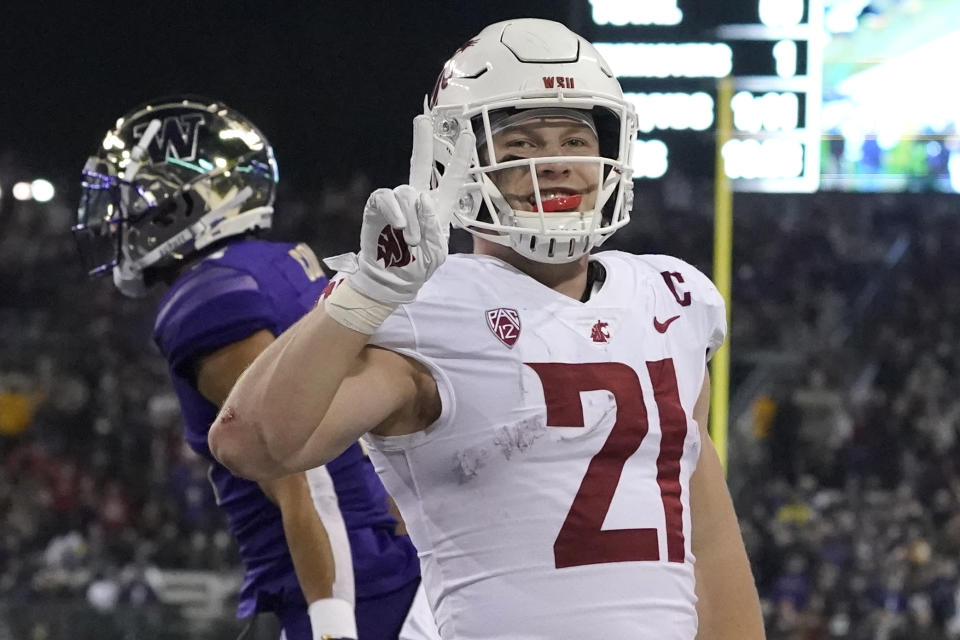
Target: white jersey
{"type": "Point", "coordinates": [551, 498]}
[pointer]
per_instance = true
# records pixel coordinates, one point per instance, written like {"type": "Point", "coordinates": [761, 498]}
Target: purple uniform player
{"type": "Point", "coordinates": [248, 286]}
{"type": "Point", "coordinates": [176, 194]}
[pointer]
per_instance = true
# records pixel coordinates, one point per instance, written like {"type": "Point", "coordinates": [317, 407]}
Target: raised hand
{"type": "Point", "coordinates": [403, 239]}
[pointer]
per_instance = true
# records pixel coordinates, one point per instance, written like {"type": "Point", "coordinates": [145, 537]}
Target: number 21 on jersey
{"type": "Point", "coordinates": [581, 540]}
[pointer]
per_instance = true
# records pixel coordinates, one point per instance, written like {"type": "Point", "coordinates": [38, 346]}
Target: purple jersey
{"type": "Point", "coordinates": [247, 286]}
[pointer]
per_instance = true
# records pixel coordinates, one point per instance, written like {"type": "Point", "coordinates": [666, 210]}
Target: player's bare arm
{"type": "Point", "coordinates": [728, 606]}
{"type": "Point", "coordinates": [306, 536]}
{"type": "Point", "coordinates": [278, 418]}
{"type": "Point", "coordinates": [304, 530]}
{"type": "Point", "coordinates": [310, 549]}
{"type": "Point", "coordinates": [383, 392]}
{"type": "Point", "coordinates": [218, 371]}
{"type": "Point", "coordinates": [254, 437]}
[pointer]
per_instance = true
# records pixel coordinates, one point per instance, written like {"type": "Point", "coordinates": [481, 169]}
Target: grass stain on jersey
{"type": "Point", "coordinates": [469, 462]}
{"type": "Point", "coordinates": [519, 436]}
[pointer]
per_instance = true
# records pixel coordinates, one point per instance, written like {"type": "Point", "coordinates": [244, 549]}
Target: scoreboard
{"type": "Point", "coordinates": [670, 56]}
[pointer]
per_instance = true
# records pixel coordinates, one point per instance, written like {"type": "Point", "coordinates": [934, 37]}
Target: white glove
{"type": "Point", "coordinates": [403, 239]}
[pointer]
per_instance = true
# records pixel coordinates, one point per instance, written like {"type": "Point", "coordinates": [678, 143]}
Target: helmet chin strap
{"type": "Point", "coordinates": [256, 217]}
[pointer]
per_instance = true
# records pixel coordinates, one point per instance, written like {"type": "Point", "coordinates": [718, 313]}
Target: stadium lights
{"type": "Point", "coordinates": [39, 190]}
{"type": "Point", "coordinates": [22, 191]}
{"type": "Point", "coordinates": [42, 190]}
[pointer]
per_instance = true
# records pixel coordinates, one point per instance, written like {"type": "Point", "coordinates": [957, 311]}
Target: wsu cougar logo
{"type": "Point", "coordinates": [505, 324]}
{"type": "Point", "coordinates": [599, 332]}
{"type": "Point", "coordinates": [177, 137]}
{"type": "Point", "coordinates": [392, 248]}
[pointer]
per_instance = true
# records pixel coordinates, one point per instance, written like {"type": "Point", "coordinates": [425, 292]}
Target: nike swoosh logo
{"type": "Point", "coordinates": [662, 327]}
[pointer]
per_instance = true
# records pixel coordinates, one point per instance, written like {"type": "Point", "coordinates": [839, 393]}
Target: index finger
{"type": "Point", "coordinates": [455, 175]}
{"type": "Point", "coordinates": [421, 160]}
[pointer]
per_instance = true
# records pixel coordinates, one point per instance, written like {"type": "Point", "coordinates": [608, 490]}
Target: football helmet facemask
{"type": "Point", "coordinates": [516, 71]}
{"type": "Point", "coordinates": [173, 177]}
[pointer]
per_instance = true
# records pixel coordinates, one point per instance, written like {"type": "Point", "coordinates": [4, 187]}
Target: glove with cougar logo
{"type": "Point", "coordinates": [402, 238]}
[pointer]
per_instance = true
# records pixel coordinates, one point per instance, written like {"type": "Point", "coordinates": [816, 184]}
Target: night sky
{"type": "Point", "coordinates": [333, 85]}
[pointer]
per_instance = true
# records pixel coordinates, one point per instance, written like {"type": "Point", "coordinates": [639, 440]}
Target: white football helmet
{"type": "Point", "coordinates": [537, 67]}
{"type": "Point", "coordinates": [172, 178]}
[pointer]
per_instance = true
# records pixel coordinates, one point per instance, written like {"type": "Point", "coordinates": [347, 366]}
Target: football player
{"type": "Point", "coordinates": [176, 195]}
{"type": "Point", "coordinates": [538, 410]}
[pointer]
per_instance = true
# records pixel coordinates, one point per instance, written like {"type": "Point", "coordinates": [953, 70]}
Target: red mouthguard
{"type": "Point", "coordinates": [562, 203]}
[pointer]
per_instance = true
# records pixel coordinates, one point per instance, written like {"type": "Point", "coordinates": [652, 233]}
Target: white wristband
{"type": "Point", "coordinates": [355, 310]}
{"type": "Point", "coordinates": [332, 618]}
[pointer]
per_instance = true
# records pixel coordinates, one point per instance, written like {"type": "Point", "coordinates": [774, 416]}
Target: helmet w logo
{"type": "Point", "coordinates": [177, 137]}
{"type": "Point", "coordinates": [392, 248]}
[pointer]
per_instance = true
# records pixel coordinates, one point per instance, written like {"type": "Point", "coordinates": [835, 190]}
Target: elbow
{"type": "Point", "coordinates": [241, 447]}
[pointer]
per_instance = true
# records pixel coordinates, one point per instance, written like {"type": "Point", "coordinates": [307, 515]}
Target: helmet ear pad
{"type": "Point", "coordinates": [185, 205]}
{"type": "Point", "coordinates": [157, 222]}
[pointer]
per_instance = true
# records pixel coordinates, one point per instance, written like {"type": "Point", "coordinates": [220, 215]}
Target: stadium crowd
{"type": "Point", "coordinates": [845, 317]}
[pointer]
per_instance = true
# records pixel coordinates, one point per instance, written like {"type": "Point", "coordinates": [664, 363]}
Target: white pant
{"type": "Point", "coordinates": [420, 624]}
